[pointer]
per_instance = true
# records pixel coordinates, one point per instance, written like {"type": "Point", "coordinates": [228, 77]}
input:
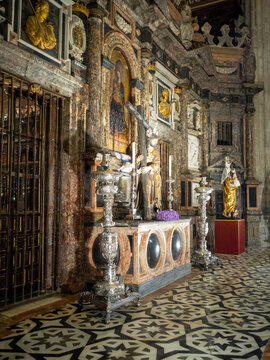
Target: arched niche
{"type": "Point", "coordinates": [194, 116]}
{"type": "Point", "coordinates": [119, 127]}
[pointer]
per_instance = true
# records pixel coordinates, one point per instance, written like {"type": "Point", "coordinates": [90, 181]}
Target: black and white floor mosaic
{"type": "Point", "coordinates": [221, 313]}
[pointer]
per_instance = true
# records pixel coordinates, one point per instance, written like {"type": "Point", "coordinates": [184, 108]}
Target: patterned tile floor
{"type": "Point", "coordinates": [222, 313]}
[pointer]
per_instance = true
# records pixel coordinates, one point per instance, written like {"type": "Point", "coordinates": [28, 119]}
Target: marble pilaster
{"type": "Point", "coordinates": [257, 13]}
{"type": "Point", "coordinates": [204, 113]}
{"type": "Point", "coordinates": [184, 132]}
{"type": "Point", "coordinates": [250, 144]}
{"type": "Point", "coordinates": [145, 59]}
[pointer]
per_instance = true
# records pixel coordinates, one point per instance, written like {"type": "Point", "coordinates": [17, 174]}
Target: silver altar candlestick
{"type": "Point", "coordinates": [202, 257]}
{"type": "Point", "coordinates": [170, 181]}
{"type": "Point", "coordinates": [109, 293]}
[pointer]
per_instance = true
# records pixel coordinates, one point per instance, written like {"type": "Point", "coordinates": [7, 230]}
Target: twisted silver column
{"type": "Point", "coordinates": [202, 257]}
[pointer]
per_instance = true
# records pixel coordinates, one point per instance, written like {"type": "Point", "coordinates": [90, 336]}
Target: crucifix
{"type": "Point", "coordinates": [143, 126]}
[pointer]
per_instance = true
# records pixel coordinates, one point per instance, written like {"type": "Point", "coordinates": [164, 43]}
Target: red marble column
{"type": "Point", "coordinates": [93, 77]}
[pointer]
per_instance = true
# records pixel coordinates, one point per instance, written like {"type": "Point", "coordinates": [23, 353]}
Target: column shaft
{"type": "Point", "coordinates": [93, 123]}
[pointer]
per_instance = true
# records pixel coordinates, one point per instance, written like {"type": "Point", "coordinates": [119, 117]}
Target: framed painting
{"type": "Point", "coordinates": [119, 118]}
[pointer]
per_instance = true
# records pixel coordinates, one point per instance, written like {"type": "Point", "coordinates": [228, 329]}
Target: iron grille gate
{"type": "Point", "coordinates": [27, 116]}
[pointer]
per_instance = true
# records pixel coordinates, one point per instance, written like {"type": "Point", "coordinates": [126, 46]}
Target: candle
{"type": "Point", "coordinates": [133, 154]}
{"type": "Point", "coordinates": [170, 166]}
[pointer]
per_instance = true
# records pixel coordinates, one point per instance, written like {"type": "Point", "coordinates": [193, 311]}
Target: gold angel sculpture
{"type": "Point", "coordinates": [229, 185]}
{"type": "Point", "coordinates": [39, 31]}
{"type": "Point", "coordinates": [164, 107]}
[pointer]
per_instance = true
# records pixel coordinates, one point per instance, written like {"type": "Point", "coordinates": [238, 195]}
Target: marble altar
{"type": "Point", "coordinates": [151, 254]}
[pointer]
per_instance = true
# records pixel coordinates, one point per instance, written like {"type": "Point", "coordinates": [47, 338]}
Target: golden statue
{"type": "Point", "coordinates": [164, 107]}
{"type": "Point", "coordinates": [39, 31]}
{"type": "Point", "coordinates": [229, 185]}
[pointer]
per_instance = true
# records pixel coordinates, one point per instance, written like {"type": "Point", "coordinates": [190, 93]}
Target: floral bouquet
{"type": "Point", "coordinates": [167, 215]}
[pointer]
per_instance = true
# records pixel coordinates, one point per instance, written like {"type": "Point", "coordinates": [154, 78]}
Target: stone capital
{"type": "Point", "coordinates": [251, 180]}
{"type": "Point", "coordinates": [146, 50]}
{"type": "Point", "coordinates": [253, 88]}
{"type": "Point", "coordinates": [184, 86]}
{"type": "Point", "coordinates": [97, 9]}
{"type": "Point", "coordinates": [205, 105]}
{"type": "Point", "coordinates": [250, 110]}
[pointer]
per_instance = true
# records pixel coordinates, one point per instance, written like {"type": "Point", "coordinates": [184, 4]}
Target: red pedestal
{"type": "Point", "coordinates": [230, 237]}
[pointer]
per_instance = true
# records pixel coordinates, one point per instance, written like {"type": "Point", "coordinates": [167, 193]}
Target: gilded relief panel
{"type": "Point", "coordinates": [164, 103]}
{"type": "Point", "coordinates": [119, 118]}
{"type": "Point", "coordinates": [40, 28]}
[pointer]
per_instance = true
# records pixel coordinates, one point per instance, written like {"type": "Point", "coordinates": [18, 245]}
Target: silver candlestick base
{"type": "Point", "coordinates": [109, 293]}
{"type": "Point", "coordinates": [202, 257]}
{"type": "Point", "coordinates": [170, 181]}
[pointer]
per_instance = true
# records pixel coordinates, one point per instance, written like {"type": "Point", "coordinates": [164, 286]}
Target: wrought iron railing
{"type": "Point", "coordinates": [27, 116]}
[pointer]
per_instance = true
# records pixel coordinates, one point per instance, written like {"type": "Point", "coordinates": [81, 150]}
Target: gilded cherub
{"type": "Point", "coordinates": [164, 107]}
{"type": "Point", "coordinates": [39, 31]}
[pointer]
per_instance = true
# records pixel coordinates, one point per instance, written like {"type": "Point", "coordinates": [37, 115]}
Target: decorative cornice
{"type": "Point", "coordinates": [253, 88]}
{"type": "Point", "coordinates": [38, 71]}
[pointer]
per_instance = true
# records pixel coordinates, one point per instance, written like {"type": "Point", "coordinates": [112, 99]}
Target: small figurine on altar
{"type": "Point", "coordinates": [153, 188]}
{"type": "Point", "coordinates": [230, 183]}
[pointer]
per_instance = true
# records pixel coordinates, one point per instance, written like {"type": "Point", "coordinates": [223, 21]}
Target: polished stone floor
{"type": "Point", "coordinates": [221, 313]}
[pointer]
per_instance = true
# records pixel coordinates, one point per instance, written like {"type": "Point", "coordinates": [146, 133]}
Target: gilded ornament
{"type": "Point", "coordinates": [35, 88]}
{"type": "Point", "coordinates": [152, 67]}
{"type": "Point", "coordinates": [77, 38]}
{"type": "Point", "coordinates": [164, 107]}
{"type": "Point", "coordinates": [80, 7]}
{"type": "Point", "coordinates": [39, 31]}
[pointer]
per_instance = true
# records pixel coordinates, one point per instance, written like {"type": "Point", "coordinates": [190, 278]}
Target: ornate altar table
{"type": "Point", "coordinates": [151, 254]}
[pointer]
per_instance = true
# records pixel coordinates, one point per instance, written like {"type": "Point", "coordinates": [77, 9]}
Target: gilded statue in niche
{"type": "Point", "coordinates": [229, 183]}
{"type": "Point", "coordinates": [39, 31]}
{"type": "Point", "coordinates": [164, 107]}
{"type": "Point", "coordinates": [120, 93]}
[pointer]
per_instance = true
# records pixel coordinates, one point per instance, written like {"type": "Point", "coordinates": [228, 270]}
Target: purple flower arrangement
{"type": "Point", "coordinates": [167, 215]}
